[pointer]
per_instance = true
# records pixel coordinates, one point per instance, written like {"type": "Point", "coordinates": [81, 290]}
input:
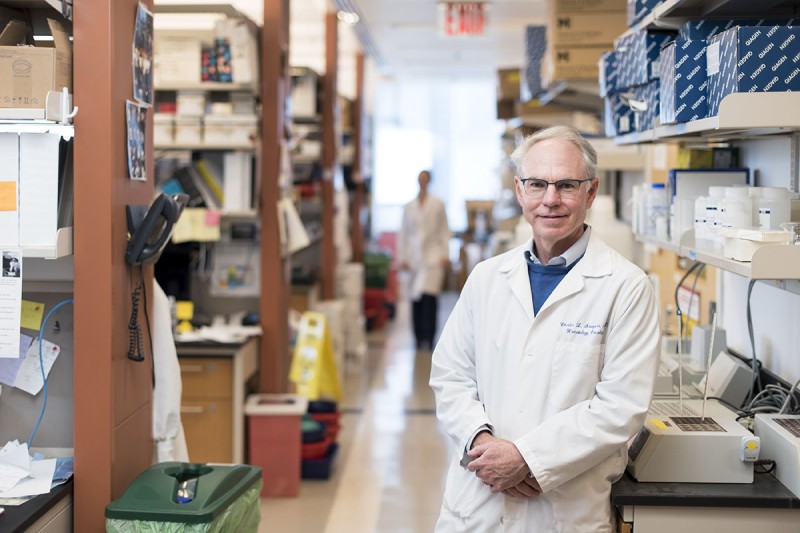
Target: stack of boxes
{"type": "Point", "coordinates": [579, 32]}
{"type": "Point", "coordinates": [659, 77]}
{"type": "Point", "coordinates": [350, 290]}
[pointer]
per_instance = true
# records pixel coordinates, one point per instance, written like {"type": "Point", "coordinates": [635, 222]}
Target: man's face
{"type": "Point", "coordinates": [424, 179]}
{"type": "Point", "coordinates": [557, 222]}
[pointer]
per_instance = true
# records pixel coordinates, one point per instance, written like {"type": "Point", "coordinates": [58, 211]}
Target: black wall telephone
{"type": "Point", "coordinates": [151, 228]}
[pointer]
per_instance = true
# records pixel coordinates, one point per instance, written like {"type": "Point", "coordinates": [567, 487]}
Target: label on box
{"type": "Point", "coordinates": [712, 59]}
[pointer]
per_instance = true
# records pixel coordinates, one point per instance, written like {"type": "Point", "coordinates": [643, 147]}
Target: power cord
{"type": "Point", "coordinates": [764, 462]}
{"type": "Point", "coordinates": [41, 367]}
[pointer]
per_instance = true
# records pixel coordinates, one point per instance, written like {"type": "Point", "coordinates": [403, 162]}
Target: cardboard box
{"type": "Point", "coordinates": [479, 206]}
{"type": "Point", "coordinates": [646, 112]}
{"type": "Point", "coordinates": [506, 109]}
{"type": "Point", "coordinates": [508, 84]}
{"type": "Point", "coordinates": [752, 59]}
{"type": "Point", "coordinates": [639, 9]}
{"type": "Point", "coordinates": [586, 29]}
{"type": "Point", "coordinates": [583, 6]}
{"type": "Point", "coordinates": [607, 76]}
{"type": "Point", "coordinates": [571, 63]}
{"type": "Point", "coordinates": [188, 131]}
{"type": "Point", "coordinates": [707, 28]}
{"type": "Point", "coordinates": [163, 129]}
{"type": "Point", "coordinates": [177, 59]}
{"type": "Point", "coordinates": [684, 86]}
{"type": "Point", "coordinates": [638, 55]}
{"type": "Point", "coordinates": [617, 116]}
{"type": "Point", "coordinates": [27, 73]}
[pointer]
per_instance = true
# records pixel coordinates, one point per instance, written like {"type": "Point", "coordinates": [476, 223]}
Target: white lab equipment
{"type": "Point", "coordinates": [737, 208]}
{"type": "Point", "coordinates": [683, 446]}
{"type": "Point", "coordinates": [716, 195]}
{"type": "Point", "coordinates": [741, 244]}
{"type": "Point", "coordinates": [728, 378]}
{"type": "Point", "coordinates": [656, 211]}
{"type": "Point", "coordinates": [780, 441]}
{"type": "Point", "coordinates": [701, 338]}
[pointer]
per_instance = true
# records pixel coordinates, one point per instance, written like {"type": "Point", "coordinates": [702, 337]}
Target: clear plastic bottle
{"type": "Point", "coordinates": [774, 208]}
{"type": "Point", "coordinates": [656, 211]}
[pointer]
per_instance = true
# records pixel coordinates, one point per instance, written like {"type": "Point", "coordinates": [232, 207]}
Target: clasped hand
{"type": "Point", "coordinates": [501, 467]}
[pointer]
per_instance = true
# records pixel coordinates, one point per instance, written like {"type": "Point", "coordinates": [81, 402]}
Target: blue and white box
{"type": "Point", "coordinates": [707, 28]}
{"type": "Point", "coordinates": [617, 116]}
{"type": "Point", "coordinates": [639, 9]}
{"type": "Point", "coordinates": [637, 56]}
{"type": "Point", "coordinates": [752, 59]}
{"type": "Point", "coordinates": [684, 94]}
{"type": "Point", "coordinates": [646, 110]}
{"type": "Point", "coordinates": [607, 73]}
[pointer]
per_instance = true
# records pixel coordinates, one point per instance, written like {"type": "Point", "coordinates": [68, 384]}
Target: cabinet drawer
{"type": "Point", "coordinates": [208, 426]}
{"type": "Point", "coordinates": [206, 377]}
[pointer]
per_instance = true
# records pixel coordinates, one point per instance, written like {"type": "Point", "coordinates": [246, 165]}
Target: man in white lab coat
{"type": "Point", "coordinates": [546, 366]}
{"type": "Point", "coordinates": [423, 249]}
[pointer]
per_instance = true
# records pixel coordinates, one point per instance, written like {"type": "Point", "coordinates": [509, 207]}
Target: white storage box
{"type": "Point", "coordinates": [234, 130]}
{"type": "Point", "coordinates": [191, 103]}
{"type": "Point", "coordinates": [188, 130]}
{"type": "Point", "coordinates": [163, 129]}
{"type": "Point", "coordinates": [177, 59]}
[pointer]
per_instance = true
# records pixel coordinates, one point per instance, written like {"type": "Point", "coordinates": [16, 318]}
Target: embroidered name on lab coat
{"type": "Point", "coordinates": [582, 328]}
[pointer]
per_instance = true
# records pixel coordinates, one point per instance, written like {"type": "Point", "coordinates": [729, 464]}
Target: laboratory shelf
{"type": "Point", "coordinates": [61, 248]}
{"type": "Point", "coordinates": [741, 115]}
{"type": "Point", "coordinates": [204, 146]}
{"type": "Point", "coordinates": [770, 262]}
{"type": "Point", "coordinates": [208, 86]}
{"type": "Point", "coordinates": [37, 126]}
{"type": "Point", "coordinates": [672, 13]}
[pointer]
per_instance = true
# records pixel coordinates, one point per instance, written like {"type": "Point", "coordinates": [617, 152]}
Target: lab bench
{"type": "Point", "coordinates": [215, 377]}
{"type": "Point", "coordinates": [704, 507]}
{"type": "Point", "coordinates": [51, 512]}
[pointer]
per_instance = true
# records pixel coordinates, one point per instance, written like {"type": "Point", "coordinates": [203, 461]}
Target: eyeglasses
{"type": "Point", "coordinates": [567, 188]}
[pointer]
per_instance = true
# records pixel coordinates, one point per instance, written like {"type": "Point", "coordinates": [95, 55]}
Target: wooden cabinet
{"type": "Point", "coordinates": [212, 401]}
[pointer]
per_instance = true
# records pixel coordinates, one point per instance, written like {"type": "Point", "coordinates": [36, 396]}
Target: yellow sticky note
{"type": "Point", "coordinates": [8, 196]}
{"type": "Point", "coordinates": [31, 315]}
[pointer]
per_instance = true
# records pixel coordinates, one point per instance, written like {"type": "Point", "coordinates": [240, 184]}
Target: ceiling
{"type": "Point", "coordinates": [407, 39]}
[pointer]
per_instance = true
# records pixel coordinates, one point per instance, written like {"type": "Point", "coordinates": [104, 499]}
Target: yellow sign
{"type": "Point", "coordinates": [8, 196]}
{"type": "Point", "coordinates": [314, 371]}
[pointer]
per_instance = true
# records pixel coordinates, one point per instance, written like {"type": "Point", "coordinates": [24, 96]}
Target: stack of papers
{"type": "Point", "coordinates": [22, 476]}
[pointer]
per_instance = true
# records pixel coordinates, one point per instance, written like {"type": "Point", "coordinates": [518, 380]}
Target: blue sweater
{"type": "Point", "coordinates": [544, 279]}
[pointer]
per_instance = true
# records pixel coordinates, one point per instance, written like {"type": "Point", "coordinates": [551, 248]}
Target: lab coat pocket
{"type": "Point", "coordinates": [574, 373]}
{"type": "Point", "coordinates": [461, 488]}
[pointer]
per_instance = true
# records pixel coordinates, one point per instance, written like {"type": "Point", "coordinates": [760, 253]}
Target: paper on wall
{"type": "Point", "coordinates": [29, 377]}
{"type": "Point", "coordinates": [10, 301]}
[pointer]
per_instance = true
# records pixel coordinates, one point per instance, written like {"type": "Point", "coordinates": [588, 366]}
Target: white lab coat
{"type": "Point", "coordinates": [568, 387]}
{"type": "Point", "coordinates": [170, 442]}
{"type": "Point", "coordinates": [424, 243]}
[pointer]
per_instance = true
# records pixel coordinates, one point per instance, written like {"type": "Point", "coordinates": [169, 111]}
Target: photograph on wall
{"type": "Point", "coordinates": [12, 265]}
{"type": "Point", "coordinates": [143, 56]}
{"type": "Point", "coordinates": [136, 120]}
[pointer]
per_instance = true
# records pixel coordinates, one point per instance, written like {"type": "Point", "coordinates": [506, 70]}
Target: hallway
{"type": "Point", "coordinates": [389, 474]}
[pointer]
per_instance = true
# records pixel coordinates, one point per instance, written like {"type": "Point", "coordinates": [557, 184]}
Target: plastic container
{"type": "Point", "coordinates": [774, 208]}
{"type": "Point", "coordinates": [189, 497]}
{"type": "Point", "coordinates": [320, 468]}
{"type": "Point", "coordinates": [656, 211]}
{"type": "Point", "coordinates": [716, 195]}
{"type": "Point", "coordinates": [275, 440]}
{"type": "Point", "coordinates": [703, 238]}
{"type": "Point", "coordinates": [737, 208]}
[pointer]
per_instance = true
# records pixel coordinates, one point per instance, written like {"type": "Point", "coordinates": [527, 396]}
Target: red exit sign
{"type": "Point", "coordinates": [462, 18]}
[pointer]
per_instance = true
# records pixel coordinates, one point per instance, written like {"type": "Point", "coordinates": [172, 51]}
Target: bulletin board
{"type": "Point", "coordinates": [19, 410]}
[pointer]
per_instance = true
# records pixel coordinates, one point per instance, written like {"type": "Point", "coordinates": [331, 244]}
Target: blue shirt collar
{"type": "Point", "coordinates": [572, 254]}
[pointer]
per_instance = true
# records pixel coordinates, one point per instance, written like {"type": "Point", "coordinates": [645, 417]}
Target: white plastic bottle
{"type": "Point", "coordinates": [716, 194]}
{"type": "Point", "coordinates": [774, 208]}
{"type": "Point", "coordinates": [737, 208]}
{"type": "Point", "coordinates": [656, 211]}
{"type": "Point", "coordinates": [702, 234]}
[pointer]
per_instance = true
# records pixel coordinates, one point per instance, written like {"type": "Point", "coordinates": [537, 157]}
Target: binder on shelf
{"type": "Point", "coordinates": [38, 188]}
{"type": "Point", "coordinates": [237, 181]}
{"type": "Point", "coordinates": [66, 185]}
{"type": "Point", "coordinates": [210, 177]}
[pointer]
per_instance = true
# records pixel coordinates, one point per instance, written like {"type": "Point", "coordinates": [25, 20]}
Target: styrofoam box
{"type": "Point", "coordinates": [188, 130]}
{"type": "Point", "coordinates": [233, 130]}
{"type": "Point", "coordinates": [163, 128]}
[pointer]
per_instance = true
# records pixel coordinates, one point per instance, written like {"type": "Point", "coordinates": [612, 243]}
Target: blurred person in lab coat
{"type": "Point", "coordinates": [423, 249]}
{"type": "Point", "coordinates": [546, 366]}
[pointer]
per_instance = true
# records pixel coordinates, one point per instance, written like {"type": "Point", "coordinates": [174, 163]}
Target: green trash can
{"type": "Point", "coordinates": [187, 498]}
